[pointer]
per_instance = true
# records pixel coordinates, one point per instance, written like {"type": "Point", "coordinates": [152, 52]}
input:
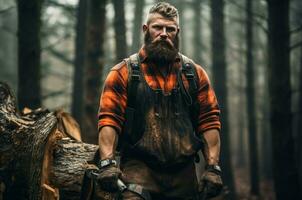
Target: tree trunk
{"type": "Point", "coordinates": [29, 22]}
{"type": "Point", "coordinates": [137, 26]}
{"type": "Point", "coordinates": [241, 160]}
{"type": "Point", "coordinates": [38, 160]}
{"type": "Point", "coordinates": [77, 107]}
{"type": "Point", "coordinates": [198, 47]}
{"type": "Point", "coordinates": [285, 166]}
{"type": "Point", "coordinates": [266, 140]}
{"type": "Point", "coordinates": [219, 77]}
{"type": "Point", "coordinates": [241, 116]}
{"type": "Point", "coordinates": [300, 122]}
{"type": "Point", "coordinates": [8, 39]}
{"type": "Point", "coordinates": [120, 30]}
{"type": "Point", "coordinates": [73, 155]}
{"type": "Point", "coordinates": [179, 4]}
{"type": "Point", "coordinates": [296, 21]}
{"type": "Point", "coordinates": [94, 66]}
{"type": "Point", "coordinates": [251, 107]}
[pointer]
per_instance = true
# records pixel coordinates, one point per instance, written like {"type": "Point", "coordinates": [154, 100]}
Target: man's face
{"type": "Point", "coordinates": [161, 28]}
{"type": "Point", "coordinates": [161, 38]}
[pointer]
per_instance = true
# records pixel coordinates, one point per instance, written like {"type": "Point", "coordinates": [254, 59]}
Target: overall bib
{"type": "Point", "coordinates": [158, 142]}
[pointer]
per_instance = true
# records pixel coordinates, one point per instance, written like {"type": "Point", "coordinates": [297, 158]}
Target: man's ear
{"type": "Point", "coordinates": [145, 28]}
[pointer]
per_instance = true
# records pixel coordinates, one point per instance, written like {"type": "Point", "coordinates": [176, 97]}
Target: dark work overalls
{"type": "Point", "coordinates": [158, 144]}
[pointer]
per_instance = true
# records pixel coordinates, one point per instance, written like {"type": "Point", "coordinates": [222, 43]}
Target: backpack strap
{"type": "Point", "coordinates": [134, 77]}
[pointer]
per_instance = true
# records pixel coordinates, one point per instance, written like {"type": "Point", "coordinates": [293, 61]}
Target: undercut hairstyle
{"type": "Point", "coordinates": [165, 9]}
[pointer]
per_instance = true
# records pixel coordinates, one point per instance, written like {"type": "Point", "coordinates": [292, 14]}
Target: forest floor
{"type": "Point", "coordinates": [243, 187]}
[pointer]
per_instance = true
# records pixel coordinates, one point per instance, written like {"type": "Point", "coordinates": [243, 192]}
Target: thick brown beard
{"type": "Point", "coordinates": [161, 52]}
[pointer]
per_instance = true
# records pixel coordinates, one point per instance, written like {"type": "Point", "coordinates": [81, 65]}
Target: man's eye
{"type": "Point", "coordinates": [157, 27]}
{"type": "Point", "coordinates": [171, 29]}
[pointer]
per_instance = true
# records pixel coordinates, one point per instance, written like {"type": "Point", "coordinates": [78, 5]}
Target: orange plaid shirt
{"type": "Point", "coordinates": [113, 100]}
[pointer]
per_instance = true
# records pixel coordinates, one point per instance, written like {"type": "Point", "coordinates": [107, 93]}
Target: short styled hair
{"type": "Point", "coordinates": [165, 9]}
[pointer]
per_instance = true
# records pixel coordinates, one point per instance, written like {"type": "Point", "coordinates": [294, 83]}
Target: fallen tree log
{"type": "Point", "coordinates": [41, 155]}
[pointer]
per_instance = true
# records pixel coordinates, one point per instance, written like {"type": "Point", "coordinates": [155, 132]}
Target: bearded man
{"type": "Point", "coordinates": [158, 109]}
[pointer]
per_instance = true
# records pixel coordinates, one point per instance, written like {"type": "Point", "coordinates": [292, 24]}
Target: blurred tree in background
{"type": "Point", "coordinates": [29, 53]}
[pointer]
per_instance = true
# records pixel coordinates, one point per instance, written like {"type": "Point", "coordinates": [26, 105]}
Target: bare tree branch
{"type": "Point", "coordinates": [59, 55]}
{"type": "Point", "coordinates": [298, 44]}
{"type": "Point", "coordinates": [7, 9]}
{"type": "Point", "coordinates": [255, 21]}
{"type": "Point", "coordinates": [55, 94]}
{"type": "Point", "coordinates": [59, 40]}
{"type": "Point", "coordinates": [255, 15]}
{"type": "Point", "coordinates": [295, 30]}
{"type": "Point", "coordinates": [69, 8]}
{"type": "Point", "coordinates": [8, 30]}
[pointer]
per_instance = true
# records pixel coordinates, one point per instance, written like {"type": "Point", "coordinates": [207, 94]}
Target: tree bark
{"type": "Point", "coordinates": [285, 166]}
{"type": "Point", "coordinates": [137, 26]}
{"type": "Point", "coordinates": [69, 166]}
{"type": "Point", "coordinates": [38, 160]}
{"type": "Point", "coordinates": [266, 138]}
{"type": "Point", "coordinates": [29, 49]}
{"type": "Point", "coordinates": [8, 39]}
{"type": "Point", "coordinates": [296, 21]}
{"type": "Point", "coordinates": [93, 67]}
{"type": "Point", "coordinates": [120, 30]}
{"type": "Point", "coordinates": [77, 107]}
{"type": "Point", "coordinates": [219, 77]}
{"type": "Point", "coordinates": [241, 160]}
{"type": "Point", "coordinates": [251, 107]}
{"type": "Point", "coordinates": [198, 46]}
{"type": "Point", "coordinates": [300, 122]}
{"type": "Point", "coordinates": [179, 4]}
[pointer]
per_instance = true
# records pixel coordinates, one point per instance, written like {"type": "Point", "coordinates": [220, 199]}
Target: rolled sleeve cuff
{"type": "Point", "coordinates": [211, 122]}
{"type": "Point", "coordinates": [108, 121]}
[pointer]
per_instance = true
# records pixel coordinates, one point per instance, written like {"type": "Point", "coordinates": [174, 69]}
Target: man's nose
{"type": "Point", "coordinates": [163, 33]}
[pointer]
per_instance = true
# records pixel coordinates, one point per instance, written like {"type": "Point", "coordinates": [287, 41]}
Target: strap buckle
{"type": "Point", "coordinates": [106, 162]}
{"type": "Point", "coordinates": [189, 75]}
{"type": "Point", "coordinates": [135, 76]}
{"type": "Point", "coordinates": [140, 190]}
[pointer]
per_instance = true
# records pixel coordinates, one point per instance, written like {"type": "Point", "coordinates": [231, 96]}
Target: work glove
{"type": "Point", "coordinates": [108, 176]}
{"type": "Point", "coordinates": [211, 183]}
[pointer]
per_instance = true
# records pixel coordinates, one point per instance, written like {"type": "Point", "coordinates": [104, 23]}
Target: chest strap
{"type": "Point", "coordinates": [133, 66]}
{"type": "Point", "coordinates": [187, 69]}
{"type": "Point", "coordinates": [190, 73]}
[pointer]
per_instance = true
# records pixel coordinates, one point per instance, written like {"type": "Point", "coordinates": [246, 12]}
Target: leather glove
{"type": "Point", "coordinates": [107, 178]}
{"type": "Point", "coordinates": [211, 182]}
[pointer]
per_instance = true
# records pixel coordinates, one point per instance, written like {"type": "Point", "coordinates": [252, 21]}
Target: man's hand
{"type": "Point", "coordinates": [211, 183]}
{"type": "Point", "coordinates": [107, 178]}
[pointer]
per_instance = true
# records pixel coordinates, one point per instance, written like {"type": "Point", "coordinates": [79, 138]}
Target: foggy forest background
{"type": "Point", "coordinates": [56, 53]}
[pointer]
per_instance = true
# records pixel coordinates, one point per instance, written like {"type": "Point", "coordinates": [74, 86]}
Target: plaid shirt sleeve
{"type": "Point", "coordinates": [208, 105]}
{"type": "Point", "coordinates": [113, 99]}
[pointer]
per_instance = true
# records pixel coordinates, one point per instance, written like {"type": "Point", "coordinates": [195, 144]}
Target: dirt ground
{"type": "Point", "coordinates": [243, 187]}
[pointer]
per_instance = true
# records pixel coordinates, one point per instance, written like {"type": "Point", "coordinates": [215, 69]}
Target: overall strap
{"type": "Point", "coordinates": [189, 70]}
{"type": "Point", "coordinates": [190, 96]}
{"type": "Point", "coordinates": [133, 65]}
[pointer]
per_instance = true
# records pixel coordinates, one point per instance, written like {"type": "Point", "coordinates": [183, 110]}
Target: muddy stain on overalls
{"type": "Point", "coordinates": [160, 143]}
